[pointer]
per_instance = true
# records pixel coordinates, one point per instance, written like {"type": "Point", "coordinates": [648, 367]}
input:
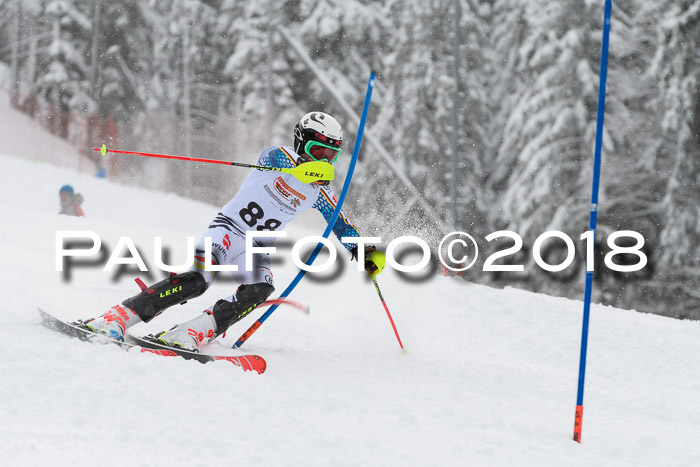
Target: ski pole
{"type": "Point", "coordinates": [391, 320]}
{"type": "Point", "coordinates": [334, 217]}
{"type": "Point", "coordinates": [307, 172]}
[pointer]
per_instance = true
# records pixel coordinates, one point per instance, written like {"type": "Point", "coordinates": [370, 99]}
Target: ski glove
{"type": "Point", "coordinates": [374, 259]}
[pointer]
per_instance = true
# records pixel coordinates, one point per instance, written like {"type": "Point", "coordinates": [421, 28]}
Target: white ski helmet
{"type": "Point", "coordinates": [319, 136]}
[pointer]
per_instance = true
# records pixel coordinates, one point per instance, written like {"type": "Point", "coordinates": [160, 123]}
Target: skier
{"type": "Point", "coordinates": [267, 200]}
{"type": "Point", "coordinates": [70, 201]}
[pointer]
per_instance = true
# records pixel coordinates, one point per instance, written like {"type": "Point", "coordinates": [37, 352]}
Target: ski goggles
{"type": "Point", "coordinates": [319, 151]}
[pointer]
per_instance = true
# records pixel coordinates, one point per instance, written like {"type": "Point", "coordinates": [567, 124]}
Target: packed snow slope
{"type": "Point", "coordinates": [490, 378]}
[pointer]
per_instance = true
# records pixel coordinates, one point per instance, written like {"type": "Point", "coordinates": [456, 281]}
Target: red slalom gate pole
{"type": "Point", "coordinates": [391, 320]}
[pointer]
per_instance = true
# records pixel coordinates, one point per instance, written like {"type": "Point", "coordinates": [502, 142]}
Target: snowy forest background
{"type": "Point", "coordinates": [516, 79]}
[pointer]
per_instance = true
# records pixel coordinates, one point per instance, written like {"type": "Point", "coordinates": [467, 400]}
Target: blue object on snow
{"type": "Point", "coordinates": [593, 219]}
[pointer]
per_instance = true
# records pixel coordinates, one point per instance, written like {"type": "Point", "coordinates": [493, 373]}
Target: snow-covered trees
{"type": "Point", "coordinates": [64, 79]}
{"type": "Point", "coordinates": [676, 67]}
{"type": "Point", "coordinates": [550, 128]}
{"type": "Point", "coordinates": [123, 61]}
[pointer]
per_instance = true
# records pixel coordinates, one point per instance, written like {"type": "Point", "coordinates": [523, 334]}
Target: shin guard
{"type": "Point", "coordinates": [247, 297]}
{"type": "Point", "coordinates": [166, 293]}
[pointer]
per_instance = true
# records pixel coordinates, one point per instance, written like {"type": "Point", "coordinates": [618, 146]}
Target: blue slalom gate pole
{"type": "Point", "coordinates": [331, 222]}
{"type": "Point", "coordinates": [593, 220]}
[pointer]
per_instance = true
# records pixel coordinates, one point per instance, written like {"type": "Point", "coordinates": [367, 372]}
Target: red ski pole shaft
{"type": "Point", "coordinates": [104, 150]}
{"type": "Point", "coordinates": [307, 172]}
{"type": "Point", "coordinates": [391, 320]}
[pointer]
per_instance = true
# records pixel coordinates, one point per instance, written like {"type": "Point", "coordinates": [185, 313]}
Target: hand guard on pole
{"type": "Point", "coordinates": [374, 262]}
{"type": "Point", "coordinates": [374, 259]}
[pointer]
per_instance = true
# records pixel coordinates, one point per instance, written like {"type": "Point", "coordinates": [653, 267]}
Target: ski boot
{"type": "Point", "coordinates": [188, 335]}
{"type": "Point", "coordinates": [113, 323]}
{"type": "Point", "coordinates": [217, 319]}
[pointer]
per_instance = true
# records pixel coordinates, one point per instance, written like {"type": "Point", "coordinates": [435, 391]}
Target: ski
{"type": "Point", "coordinates": [246, 362]}
{"type": "Point", "coordinates": [80, 331]}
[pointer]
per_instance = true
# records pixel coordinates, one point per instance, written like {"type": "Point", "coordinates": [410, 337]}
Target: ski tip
{"type": "Point", "coordinates": [246, 362]}
{"type": "Point", "coordinates": [261, 364]}
{"type": "Point", "coordinates": [404, 351]}
{"type": "Point", "coordinates": [162, 352]}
